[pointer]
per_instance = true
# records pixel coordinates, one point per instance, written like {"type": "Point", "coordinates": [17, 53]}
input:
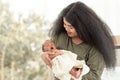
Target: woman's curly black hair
{"type": "Point", "coordinates": [90, 28]}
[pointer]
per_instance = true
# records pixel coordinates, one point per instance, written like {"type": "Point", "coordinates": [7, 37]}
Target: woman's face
{"type": "Point", "coordinates": [69, 29]}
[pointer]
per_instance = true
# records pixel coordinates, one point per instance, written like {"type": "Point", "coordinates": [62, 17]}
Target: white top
{"type": "Point", "coordinates": [62, 64]}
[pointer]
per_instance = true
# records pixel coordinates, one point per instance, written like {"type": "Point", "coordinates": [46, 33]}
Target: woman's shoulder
{"type": "Point", "coordinates": [60, 36]}
{"type": "Point", "coordinates": [63, 35]}
{"type": "Point", "coordinates": [61, 41]}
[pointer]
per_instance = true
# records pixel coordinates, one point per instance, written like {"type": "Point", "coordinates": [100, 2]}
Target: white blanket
{"type": "Point", "coordinates": [62, 65]}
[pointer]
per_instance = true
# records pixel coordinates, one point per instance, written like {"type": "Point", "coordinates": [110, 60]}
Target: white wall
{"type": "Point", "coordinates": [108, 10]}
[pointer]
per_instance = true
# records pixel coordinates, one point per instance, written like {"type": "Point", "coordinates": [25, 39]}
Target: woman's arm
{"type": "Point", "coordinates": [96, 64]}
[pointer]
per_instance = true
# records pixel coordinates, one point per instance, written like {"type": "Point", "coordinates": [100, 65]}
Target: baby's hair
{"type": "Point", "coordinates": [43, 48]}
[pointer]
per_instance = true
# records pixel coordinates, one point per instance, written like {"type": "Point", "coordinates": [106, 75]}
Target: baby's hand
{"type": "Point", "coordinates": [55, 53]}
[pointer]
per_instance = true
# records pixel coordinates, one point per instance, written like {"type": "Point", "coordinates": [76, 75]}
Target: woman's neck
{"type": "Point", "coordinates": [76, 40]}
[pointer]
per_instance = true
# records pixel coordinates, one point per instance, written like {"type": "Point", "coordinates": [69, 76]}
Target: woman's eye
{"type": "Point", "coordinates": [71, 27]}
{"type": "Point", "coordinates": [64, 24]}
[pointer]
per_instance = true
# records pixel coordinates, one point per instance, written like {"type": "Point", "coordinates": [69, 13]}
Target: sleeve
{"type": "Point", "coordinates": [96, 63]}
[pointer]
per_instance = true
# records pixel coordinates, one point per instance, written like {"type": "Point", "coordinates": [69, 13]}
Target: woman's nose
{"type": "Point", "coordinates": [67, 28]}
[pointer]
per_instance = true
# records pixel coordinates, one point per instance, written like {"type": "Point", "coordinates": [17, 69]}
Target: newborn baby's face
{"type": "Point", "coordinates": [49, 45]}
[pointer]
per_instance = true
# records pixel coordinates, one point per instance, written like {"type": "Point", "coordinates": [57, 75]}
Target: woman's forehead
{"type": "Point", "coordinates": [65, 21]}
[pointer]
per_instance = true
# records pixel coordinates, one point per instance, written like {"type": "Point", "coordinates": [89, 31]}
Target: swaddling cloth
{"type": "Point", "coordinates": [62, 65]}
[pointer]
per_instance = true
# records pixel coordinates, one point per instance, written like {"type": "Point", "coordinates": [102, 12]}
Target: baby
{"type": "Point", "coordinates": [64, 61]}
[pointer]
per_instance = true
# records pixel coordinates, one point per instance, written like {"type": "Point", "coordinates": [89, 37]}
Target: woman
{"type": "Point", "coordinates": [80, 30]}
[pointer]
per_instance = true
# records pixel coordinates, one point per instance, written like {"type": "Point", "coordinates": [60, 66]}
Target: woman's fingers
{"type": "Point", "coordinates": [46, 59]}
{"type": "Point", "coordinates": [49, 61]}
{"type": "Point", "coordinates": [76, 72]}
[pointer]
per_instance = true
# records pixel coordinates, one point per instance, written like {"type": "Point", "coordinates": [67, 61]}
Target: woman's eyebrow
{"type": "Point", "coordinates": [67, 24]}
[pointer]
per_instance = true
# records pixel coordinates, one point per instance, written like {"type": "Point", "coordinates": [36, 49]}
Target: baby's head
{"type": "Point", "coordinates": [49, 45]}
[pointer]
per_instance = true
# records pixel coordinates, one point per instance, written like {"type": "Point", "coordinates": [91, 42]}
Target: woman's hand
{"type": "Point", "coordinates": [49, 55]}
{"type": "Point", "coordinates": [76, 72]}
{"type": "Point", "coordinates": [46, 58]}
